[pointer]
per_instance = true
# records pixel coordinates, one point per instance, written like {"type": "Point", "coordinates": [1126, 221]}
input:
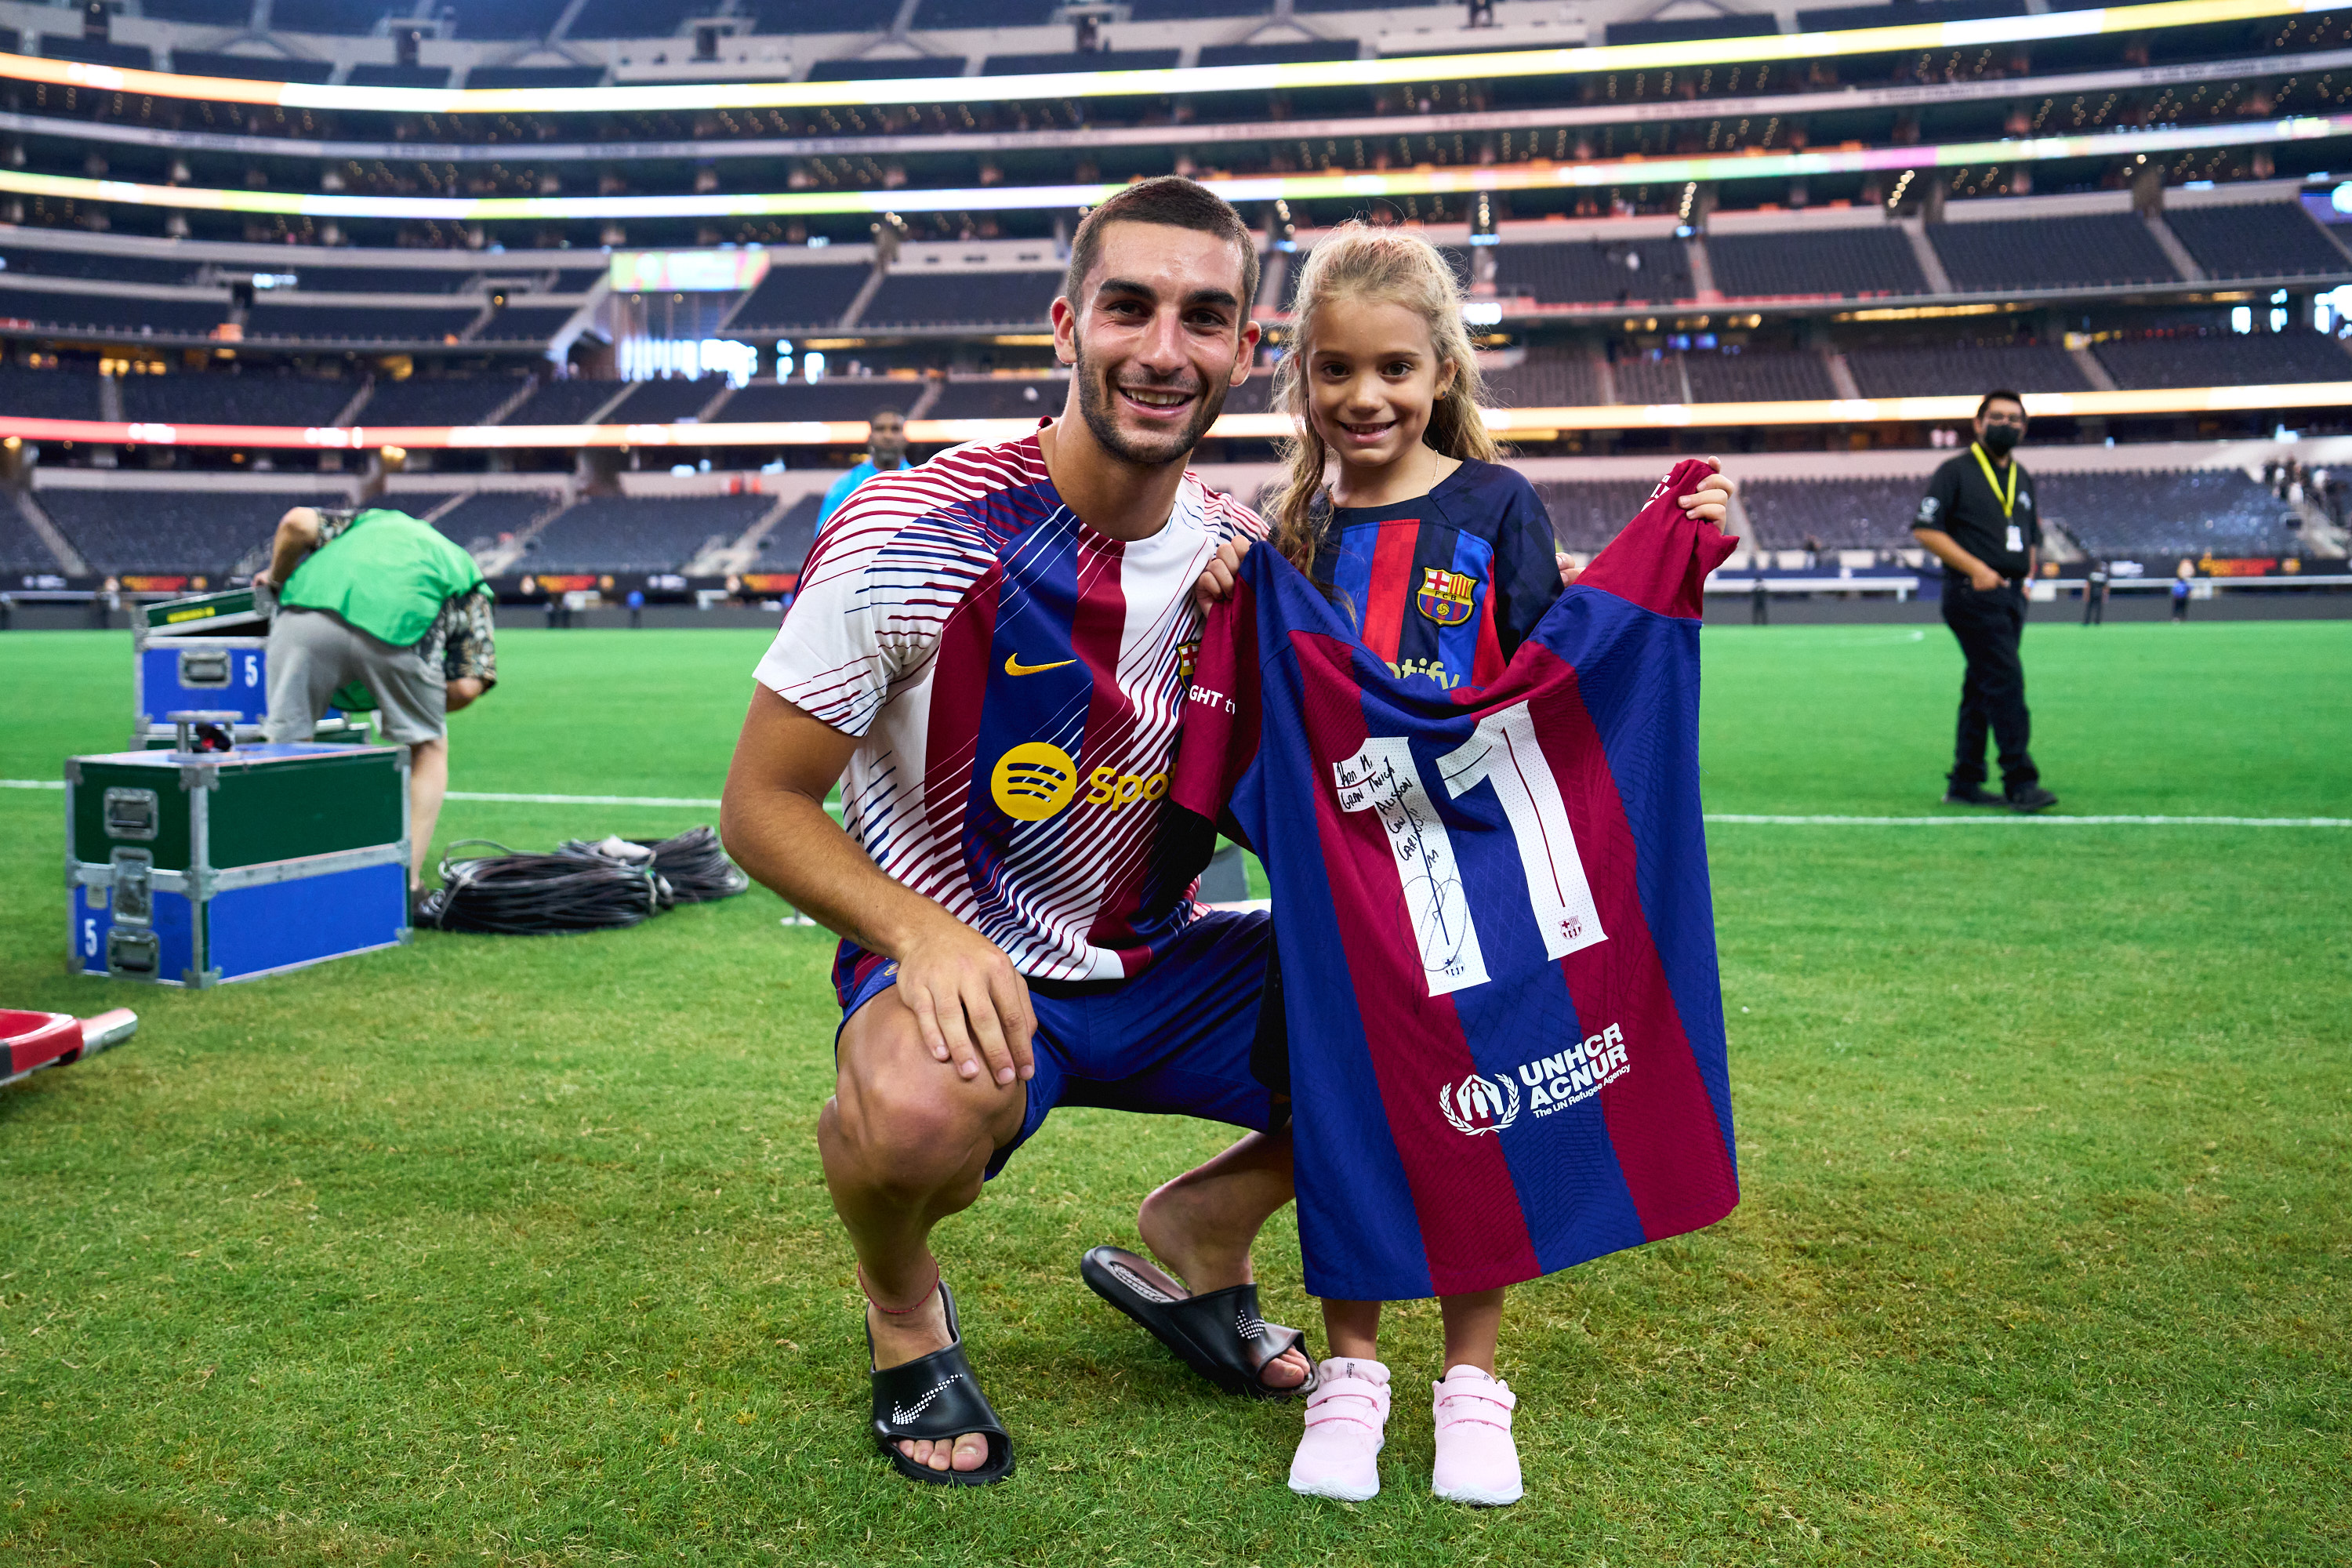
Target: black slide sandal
{"type": "Point", "coordinates": [936, 1398]}
{"type": "Point", "coordinates": [1219, 1335]}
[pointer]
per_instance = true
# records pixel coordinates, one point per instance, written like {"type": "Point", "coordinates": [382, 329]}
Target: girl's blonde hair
{"type": "Point", "coordinates": [1356, 262]}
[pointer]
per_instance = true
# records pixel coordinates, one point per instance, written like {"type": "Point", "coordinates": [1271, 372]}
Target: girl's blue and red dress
{"type": "Point", "coordinates": [1445, 587]}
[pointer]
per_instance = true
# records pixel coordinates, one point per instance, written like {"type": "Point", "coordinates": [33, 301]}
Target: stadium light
{"type": "Point", "coordinates": [1231, 427]}
{"type": "Point", "coordinates": [688, 96]}
{"type": "Point", "coordinates": [2123, 142]}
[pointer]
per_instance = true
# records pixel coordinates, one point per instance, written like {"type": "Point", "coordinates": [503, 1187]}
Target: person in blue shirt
{"type": "Point", "coordinates": [886, 449]}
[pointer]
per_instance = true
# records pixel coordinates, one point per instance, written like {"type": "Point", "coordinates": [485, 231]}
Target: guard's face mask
{"type": "Point", "coordinates": [2000, 439]}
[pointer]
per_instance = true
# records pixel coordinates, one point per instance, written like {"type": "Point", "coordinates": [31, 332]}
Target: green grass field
{"type": "Point", "coordinates": [516, 1250]}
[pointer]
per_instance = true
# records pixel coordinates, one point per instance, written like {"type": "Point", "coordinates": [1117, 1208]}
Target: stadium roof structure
{"type": "Point", "coordinates": [1755, 163]}
{"type": "Point", "coordinates": [1521, 422]}
{"type": "Point", "coordinates": [1390, 71]}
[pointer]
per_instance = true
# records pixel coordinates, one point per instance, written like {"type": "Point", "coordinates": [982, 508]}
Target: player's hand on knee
{"type": "Point", "coordinates": [1711, 502]}
{"type": "Point", "coordinates": [971, 1003]}
{"type": "Point", "coordinates": [1216, 584]}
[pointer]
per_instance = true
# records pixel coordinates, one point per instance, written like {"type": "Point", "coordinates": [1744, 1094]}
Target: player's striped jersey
{"type": "Point", "coordinates": [1014, 678]}
{"type": "Point", "coordinates": [1505, 1030]}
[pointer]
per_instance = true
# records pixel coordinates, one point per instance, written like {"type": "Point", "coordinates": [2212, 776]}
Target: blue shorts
{"type": "Point", "coordinates": [1176, 1040]}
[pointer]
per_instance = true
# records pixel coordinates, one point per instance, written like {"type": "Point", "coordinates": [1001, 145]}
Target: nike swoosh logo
{"type": "Point", "coordinates": [1013, 666]}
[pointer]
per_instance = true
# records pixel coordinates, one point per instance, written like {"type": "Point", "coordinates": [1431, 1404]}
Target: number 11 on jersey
{"type": "Point", "coordinates": [1503, 751]}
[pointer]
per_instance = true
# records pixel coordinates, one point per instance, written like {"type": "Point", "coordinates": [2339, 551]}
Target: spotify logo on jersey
{"type": "Point", "coordinates": [1032, 780]}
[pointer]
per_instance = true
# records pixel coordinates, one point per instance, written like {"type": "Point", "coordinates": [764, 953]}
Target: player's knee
{"type": "Point", "coordinates": [903, 1113]}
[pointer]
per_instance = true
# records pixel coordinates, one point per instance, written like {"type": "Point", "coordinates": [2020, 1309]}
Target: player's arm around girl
{"type": "Point", "coordinates": [1393, 501]}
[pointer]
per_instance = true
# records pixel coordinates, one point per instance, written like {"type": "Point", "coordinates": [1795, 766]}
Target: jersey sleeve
{"type": "Point", "coordinates": [1217, 741]}
{"type": "Point", "coordinates": [1662, 558]}
{"type": "Point", "coordinates": [834, 494]}
{"type": "Point", "coordinates": [1943, 494]}
{"type": "Point", "coordinates": [1526, 566]}
{"type": "Point", "coordinates": [855, 626]}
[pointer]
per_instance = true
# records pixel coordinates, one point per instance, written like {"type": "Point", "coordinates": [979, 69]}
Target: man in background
{"type": "Point", "coordinates": [375, 598]}
{"type": "Point", "coordinates": [1977, 519]}
{"type": "Point", "coordinates": [886, 451]}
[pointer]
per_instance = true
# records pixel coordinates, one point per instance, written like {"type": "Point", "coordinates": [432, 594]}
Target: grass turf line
{"type": "Point", "coordinates": [517, 1248]}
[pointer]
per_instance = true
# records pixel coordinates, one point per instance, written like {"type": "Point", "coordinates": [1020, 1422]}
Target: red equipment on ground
{"type": "Point", "coordinates": [31, 1041]}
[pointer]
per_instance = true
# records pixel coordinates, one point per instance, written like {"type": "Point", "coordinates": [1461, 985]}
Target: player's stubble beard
{"type": "Point", "coordinates": [1097, 408]}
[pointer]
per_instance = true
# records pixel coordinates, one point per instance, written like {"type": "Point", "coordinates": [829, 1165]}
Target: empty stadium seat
{"type": "Point", "coordinates": [526, 323]}
{"type": "Point", "coordinates": [438, 400]}
{"type": "Point", "coordinates": [623, 533]}
{"type": "Point", "coordinates": [48, 393]}
{"type": "Point", "coordinates": [316, 277]}
{"type": "Point", "coordinates": [1835, 514]}
{"type": "Point", "coordinates": [253, 397]}
{"type": "Point", "coordinates": [1759, 375]}
{"type": "Point", "coordinates": [1594, 272]}
{"type": "Point", "coordinates": [2090, 250]}
{"type": "Point", "coordinates": [1586, 514]}
{"type": "Point", "coordinates": [2264, 239]}
{"type": "Point", "coordinates": [2160, 516]}
{"type": "Point", "coordinates": [1844, 263]}
{"type": "Point", "coordinates": [665, 402]}
{"type": "Point", "coordinates": [1023, 398]}
{"type": "Point", "coordinates": [359, 323]}
{"type": "Point", "coordinates": [487, 515]}
{"type": "Point", "coordinates": [22, 550]}
{"type": "Point", "coordinates": [97, 264]}
{"type": "Point", "coordinates": [565, 402]}
{"type": "Point", "coordinates": [845, 398]}
{"type": "Point", "coordinates": [795, 298]}
{"type": "Point", "coordinates": [785, 546]}
{"type": "Point", "coordinates": [119, 313]}
{"type": "Point", "coordinates": [2224, 359]}
{"type": "Point", "coordinates": [1957, 370]}
{"type": "Point", "coordinates": [210, 530]}
{"type": "Point", "coordinates": [943, 298]}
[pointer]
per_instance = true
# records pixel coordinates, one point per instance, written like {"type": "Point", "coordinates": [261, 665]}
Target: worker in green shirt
{"type": "Point", "coordinates": [372, 597]}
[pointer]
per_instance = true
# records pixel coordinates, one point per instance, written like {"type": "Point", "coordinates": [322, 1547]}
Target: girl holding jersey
{"type": "Point", "coordinates": [1394, 503]}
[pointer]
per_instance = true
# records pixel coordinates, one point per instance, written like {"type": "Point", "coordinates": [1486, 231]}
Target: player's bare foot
{"type": "Point", "coordinates": [899, 1339]}
{"type": "Point", "coordinates": [1188, 1228]}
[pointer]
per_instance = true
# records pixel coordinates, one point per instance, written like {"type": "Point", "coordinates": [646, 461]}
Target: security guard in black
{"type": "Point", "coordinates": [1979, 518]}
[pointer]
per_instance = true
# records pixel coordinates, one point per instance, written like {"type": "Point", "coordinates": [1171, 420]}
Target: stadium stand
{"type": "Point", "coordinates": [1833, 514]}
{"type": "Point", "coordinates": [2264, 239]}
{"type": "Point", "coordinates": [1021, 397]}
{"type": "Point", "coordinates": [97, 51]}
{"type": "Point", "coordinates": [1689, 29]}
{"type": "Point", "coordinates": [482, 518]}
{"type": "Point", "coordinates": [785, 546]}
{"type": "Point", "coordinates": [1954, 370]}
{"type": "Point", "coordinates": [435, 400]}
{"type": "Point", "coordinates": [359, 323]}
{"type": "Point", "coordinates": [1302, 52]}
{"type": "Point", "coordinates": [631, 19]}
{"type": "Point", "coordinates": [48, 393]}
{"type": "Point", "coordinates": [1594, 272]}
{"type": "Point", "coordinates": [1545, 379]}
{"type": "Point", "coordinates": [794, 299]}
{"type": "Point", "coordinates": [884, 69]}
{"type": "Point", "coordinates": [2089, 251]}
{"type": "Point", "coordinates": [1846, 16]}
{"type": "Point", "coordinates": [526, 323]}
{"type": "Point", "coordinates": [2224, 359]}
{"type": "Point", "coordinates": [621, 533]}
{"type": "Point", "coordinates": [982, 13]}
{"type": "Point", "coordinates": [2157, 514]}
{"type": "Point", "coordinates": [115, 313]}
{"type": "Point", "coordinates": [1758, 376]}
{"type": "Point", "coordinates": [507, 18]}
{"type": "Point", "coordinates": [1587, 513]}
{"type": "Point", "coordinates": [577, 280]}
{"type": "Point", "coordinates": [565, 402]}
{"type": "Point", "coordinates": [665, 402]}
{"type": "Point", "coordinates": [327, 277]}
{"type": "Point", "coordinates": [96, 265]}
{"type": "Point", "coordinates": [22, 550]}
{"type": "Point", "coordinates": [961, 300]}
{"type": "Point", "coordinates": [255, 397]}
{"type": "Point", "coordinates": [369, 75]}
{"type": "Point", "coordinates": [843, 398]}
{"type": "Point", "coordinates": [1645, 378]}
{"type": "Point", "coordinates": [1100, 60]}
{"type": "Point", "coordinates": [535, 76]}
{"type": "Point", "coordinates": [1255, 395]}
{"type": "Point", "coordinates": [215, 13]}
{"type": "Point", "coordinates": [170, 530]}
{"type": "Point", "coordinates": [251, 68]}
{"type": "Point", "coordinates": [1846, 263]}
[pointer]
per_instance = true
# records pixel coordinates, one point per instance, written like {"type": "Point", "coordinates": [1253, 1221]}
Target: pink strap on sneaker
{"type": "Point", "coordinates": [1486, 1401]}
{"type": "Point", "coordinates": [1476, 1460]}
{"type": "Point", "coordinates": [1346, 1419]}
{"type": "Point", "coordinates": [1355, 1399]}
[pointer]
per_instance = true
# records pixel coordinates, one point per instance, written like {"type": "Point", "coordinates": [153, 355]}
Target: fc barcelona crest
{"type": "Point", "coordinates": [1445, 596]}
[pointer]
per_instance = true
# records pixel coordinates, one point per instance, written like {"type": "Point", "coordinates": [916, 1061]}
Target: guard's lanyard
{"type": "Point", "coordinates": [2008, 497]}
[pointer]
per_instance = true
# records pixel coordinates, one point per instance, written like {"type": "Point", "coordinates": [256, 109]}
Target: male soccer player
{"type": "Point", "coordinates": [995, 648]}
{"type": "Point", "coordinates": [1977, 519]}
{"type": "Point", "coordinates": [885, 452]}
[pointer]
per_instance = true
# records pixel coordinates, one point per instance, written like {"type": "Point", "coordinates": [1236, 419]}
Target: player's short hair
{"type": "Point", "coordinates": [886, 414]}
{"type": "Point", "coordinates": [1175, 202]}
{"type": "Point", "coordinates": [1999, 394]}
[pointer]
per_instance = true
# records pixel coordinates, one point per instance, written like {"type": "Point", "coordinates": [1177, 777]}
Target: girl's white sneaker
{"type": "Point", "coordinates": [1476, 1460]}
{"type": "Point", "coordinates": [1347, 1422]}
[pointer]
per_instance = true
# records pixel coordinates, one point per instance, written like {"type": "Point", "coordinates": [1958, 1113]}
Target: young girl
{"type": "Point", "coordinates": [1446, 561]}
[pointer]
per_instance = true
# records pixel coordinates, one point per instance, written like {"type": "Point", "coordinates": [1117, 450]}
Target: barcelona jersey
{"type": "Point", "coordinates": [1444, 587]}
{"type": "Point", "coordinates": [1499, 984]}
{"type": "Point", "coordinates": [1013, 678]}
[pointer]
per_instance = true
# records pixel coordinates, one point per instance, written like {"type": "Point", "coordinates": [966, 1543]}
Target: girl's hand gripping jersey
{"type": "Point", "coordinates": [1506, 1046]}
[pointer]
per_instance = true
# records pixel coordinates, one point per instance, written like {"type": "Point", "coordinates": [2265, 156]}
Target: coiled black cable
{"type": "Point", "coordinates": [533, 895]}
{"type": "Point", "coordinates": [603, 885]}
